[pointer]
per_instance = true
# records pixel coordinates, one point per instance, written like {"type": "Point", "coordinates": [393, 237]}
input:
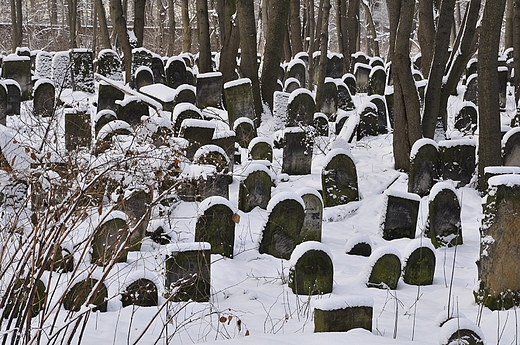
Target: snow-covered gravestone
{"type": "Point", "coordinates": [61, 70]}
{"type": "Point", "coordinates": [360, 57]}
{"type": "Point", "coordinates": [141, 57]}
{"type": "Point", "coordinates": [419, 263]}
{"type": "Point", "coordinates": [471, 68]}
{"type": "Point", "coordinates": [209, 90]}
{"type": "Point", "coordinates": [3, 103]}
{"type": "Point", "coordinates": [461, 331]}
{"type": "Point", "coordinates": [300, 111]}
{"type": "Point", "coordinates": [296, 69]}
{"type": "Point", "coordinates": [384, 268]}
{"type": "Point", "coordinates": [183, 111]}
{"type": "Point", "coordinates": [343, 313]}
{"type": "Point", "coordinates": [14, 96]}
{"type": "Point", "coordinates": [281, 233]}
{"type": "Point", "coordinates": [77, 130]}
{"type": "Point", "coordinates": [107, 97]}
{"type": "Point", "coordinates": [215, 183]}
{"type": "Point", "coordinates": [175, 72]}
{"type": "Point", "coordinates": [108, 64]}
{"type": "Point", "coordinates": [89, 291]}
{"type": "Point", "coordinates": [82, 70]}
{"type": "Point", "coordinates": [141, 292]}
{"type": "Point", "coordinates": [368, 120]}
{"type": "Point", "coordinates": [424, 166]}
{"type": "Point", "coordinates": [511, 147]}
{"type": "Point", "coordinates": [382, 116]}
{"type": "Point", "coordinates": [312, 224]}
{"type": "Point", "coordinates": [107, 132]}
{"type": "Point", "coordinates": [502, 87]}
{"type": "Point", "coordinates": [261, 148]}
{"type": "Point", "coordinates": [44, 98]}
{"type": "Point", "coordinates": [334, 65]}
{"type": "Point", "coordinates": [344, 98]}
{"type": "Point", "coordinates": [109, 237]}
{"type": "Point", "coordinates": [362, 73]}
{"type": "Point", "coordinates": [389, 98]}
{"type": "Point", "coordinates": [339, 178]}
{"type": "Point", "coordinates": [255, 187]}
{"type": "Point", "coordinates": [143, 77]}
{"type": "Point", "coordinates": [245, 131]}
{"type": "Point", "coordinates": [359, 245]}
{"type": "Point", "coordinates": [297, 151]}
{"type": "Point", "coordinates": [444, 223]}
{"type": "Point", "coordinates": [471, 93]}
{"type": "Point", "coordinates": [157, 68]}
{"type": "Point", "coordinates": [131, 109]}
{"type": "Point", "coordinates": [216, 225]}
{"type": "Point", "coordinates": [20, 295]}
{"type": "Point", "coordinates": [135, 204]}
{"type": "Point", "coordinates": [225, 139]}
{"type": "Point", "coordinates": [457, 160]}
{"type": "Point", "coordinates": [321, 125]}
{"type": "Point", "coordinates": [18, 68]}
{"type": "Point", "coordinates": [311, 270]}
{"type": "Point", "coordinates": [188, 272]}
{"type": "Point", "coordinates": [377, 81]}
{"type": "Point", "coordinates": [329, 104]}
{"type": "Point", "coordinates": [399, 215]}
{"type": "Point", "coordinates": [280, 104]}
{"type": "Point", "coordinates": [291, 84]}
{"type": "Point", "coordinates": [44, 65]}
{"type": "Point", "coordinates": [159, 92]}
{"type": "Point", "coordinates": [185, 94]}
{"type": "Point", "coordinates": [466, 118]}
{"type": "Point", "coordinates": [350, 80]}
{"type": "Point", "coordinates": [198, 133]}
{"type": "Point", "coordinates": [499, 264]}
{"type": "Point", "coordinates": [238, 98]}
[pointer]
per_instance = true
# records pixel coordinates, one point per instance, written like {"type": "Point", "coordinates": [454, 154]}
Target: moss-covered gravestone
{"type": "Point", "coordinates": [385, 268]}
{"type": "Point", "coordinates": [108, 64]}
{"type": "Point", "coordinates": [444, 226]}
{"type": "Point", "coordinates": [300, 109]}
{"type": "Point", "coordinates": [77, 130]}
{"type": "Point", "coordinates": [18, 68]}
{"type": "Point", "coordinates": [339, 179]}
{"type": "Point", "coordinates": [282, 231]}
{"type": "Point", "coordinates": [297, 151]}
{"type": "Point", "coordinates": [311, 270]}
{"type": "Point", "coordinates": [14, 97]}
{"type": "Point", "coordinates": [216, 225]}
{"type": "Point", "coordinates": [359, 245]}
{"type": "Point", "coordinates": [183, 111]}
{"type": "Point", "coordinates": [261, 148]}
{"type": "Point", "coordinates": [108, 239]}
{"type": "Point", "coordinates": [44, 98]}
{"type": "Point", "coordinates": [377, 81]}
{"type": "Point", "coordinates": [143, 77]}
{"type": "Point", "coordinates": [499, 264]}
{"type": "Point", "coordinates": [141, 292]}
{"type": "Point", "coordinates": [329, 103]}
{"type": "Point", "coordinates": [255, 187]}
{"type": "Point", "coordinates": [175, 72]}
{"type": "Point", "coordinates": [131, 109]}
{"type": "Point", "coordinates": [471, 93]}
{"type": "Point", "coordinates": [296, 69]}
{"type": "Point", "coordinates": [187, 272]}
{"type": "Point", "coordinates": [341, 314]}
{"type": "Point", "coordinates": [43, 64]}
{"type": "Point", "coordinates": [197, 132]}
{"type": "Point", "coordinates": [457, 160]}
{"type": "Point", "coordinates": [238, 97]}
{"type": "Point", "coordinates": [466, 118]}
{"type": "Point", "coordinates": [245, 131]}
{"type": "Point", "coordinates": [107, 97]}
{"type": "Point", "coordinates": [82, 69]}
{"type": "Point", "coordinates": [382, 115]}
{"type": "Point", "coordinates": [209, 90]}
{"type": "Point", "coordinates": [77, 296]}
{"type": "Point", "coordinates": [424, 166]}
{"type": "Point", "coordinates": [135, 206]}
{"type": "Point", "coordinates": [419, 263]}
{"type": "Point", "coordinates": [362, 73]}
{"type": "Point", "coordinates": [461, 331]}
{"type": "Point", "coordinates": [399, 215]}
{"type": "Point", "coordinates": [511, 147]}
{"type": "Point", "coordinates": [185, 94]}
{"type": "Point", "coordinates": [312, 224]}
{"type": "Point", "coordinates": [368, 121]}
{"type": "Point", "coordinates": [24, 294]}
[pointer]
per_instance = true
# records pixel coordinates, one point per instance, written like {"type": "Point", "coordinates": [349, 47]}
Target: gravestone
{"type": "Point", "coordinates": [80, 292]}
{"type": "Point", "coordinates": [280, 106]}
{"type": "Point", "coordinates": [511, 147]}
{"type": "Point", "coordinates": [444, 211]}
{"type": "Point", "coordinates": [157, 68]}
{"type": "Point", "coordinates": [109, 235]}
{"type": "Point", "coordinates": [131, 109]}
{"type": "Point", "coordinates": [226, 140]}
{"type": "Point", "coordinates": [457, 160]}
{"type": "Point", "coordinates": [209, 90]}
{"type": "Point", "coordinates": [185, 93]}
{"type": "Point", "coordinates": [368, 121]}
{"type": "Point", "coordinates": [281, 233]}
{"type": "Point", "coordinates": [197, 132]}
{"type": "Point", "coordinates": [3, 103]}
{"type": "Point", "coordinates": [300, 109]}
{"type": "Point", "coordinates": [238, 98]}
{"type": "Point", "coordinates": [341, 314]}
{"type": "Point", "coordinates": [344, 98]}
{"type": "Point", "coordinates": [339, 178]}
{"type": "Point", "coordinates": [188, 272]}
{"type": "Point", "coordinates": [389, 98]}
{"type": "Point", "coordinates": [44, 98]}
{"type": "Point", "coordinates": [385, 268]}
{"type": "Point", "coordinates": [376, 61]}
{"type": "Point", "coordinates": [329, 103]}
{"type": "Point", "coordinates": [261, 148]}
{"type": "Point", "coordinates": [291, 84]}
{"type": "Point", "coordinates": [466, 118]}
{"type": "Point", "coordinates": [377, 81]}
{"type": "Point", "coordinates": [175, 72]}
{"type": "Point", "coordinates": [359, 245]}
{"type": "Point", "coordinates": [399, 215]}
{"type": "Point", "coordinates": [135, 206]}
{"type": "Point", "coordinates": [334, 65]}
{"type": "Point", "coordinates": [159, 92]}
{"type": "Point", "coordinates": [216, 226]}
{"type": "Point", "coordinates": [419, 263]}
{"type": "Point", "coordinates": [18, 68]}
{"type": "Point", "coordinates": [14, 96]}
{"type": "Point", "coordinates": [311, 270]}
{"type": "Point", "coordinates": [424, 166]}
{"type": "Point", "coordinates": [107, 97]}
{"type": "Point", "coordinates": [297, 151]}
{"type": "Point", "coordinates": [312, 224]}
{"type": "Point", "coordinates": [359, 57]}
{"type": "Point", "coordinates": [461, 331]}
{"type": "Point", "coordinates": [141, 292]}
{"type": "Point", "coordinates": [296, 69]}
{"type": "Point", "coordinates": [108, 131]}
{"type": "Point", "coordinates": [245, 131]}
{"type": "Point", "coordinates": [141, 57]}
{"type": "Point", "coordinates": [109, 65]}
{"type": "Point", "coordinates": [62, 70]}
{"type": "Point", "coordinates": [214, 155]}
{"type": "Point", "coordinates": [82, 64]}
{"type": "Point", "coordinates": [255, 187]}
{"type": "Point", "coordinates": [471, 93]}
{"type": "Point", "coordinates": [44, 65]}
{"type": "Point", "coordinates": [25, 293]}
{"type": "Point", "coordinates": [321, 125]}
{"type": "Point", "coordinates": [77, 130]}
{"type": "Point", "coordinates": [382, 116]}
{"type": "Point", "coordinates": [502, 87]}
{"type": "Point", "coordinates": [183, 111]}
{"type": "Point", "coordinates": [143, 77]}
{"type": "Point", "coordinates": [350, 80]}
{"type": "Point", "coordinates": [362, 73]}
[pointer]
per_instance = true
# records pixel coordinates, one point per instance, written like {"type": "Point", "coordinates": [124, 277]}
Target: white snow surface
{"type": "Point", "coordinates": [342, 302]}
{"type": "Point", "coordinates": [453, 325]}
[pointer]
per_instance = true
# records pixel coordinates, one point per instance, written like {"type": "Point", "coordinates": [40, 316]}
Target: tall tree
{"type": "Point", "coordinates": [488, 103]}
{"type": "Point", "coordinates": [73, 19]}
{"type": "Point", "coordinates": [171, 27]}
{"type": "Point", "coordinates": [516, 47]}
{"type": "Point", "coordinates": [139, 17]}
{"type": "Point", "coordinates": [352, 30]}
{"type": "Point", "coordinates": [324, 42]}
{"type": "Point", "coordinates": [186, 26]}
{"type": "Point", "coordinates": [16, 21]}
{"type": "Point", "coordinates": [508, 34]}
{"type": "Point", "coordinates": [203, 36]}
{"type": "Point", "coordinates": [295, 25]}
{"type": "Point", "coordinates": [341, 30]}
{"type": "Point", "coordinates": [426, 35]}
{"type": "Point", "coordinates": [103, 28]}
{"type": "Point", "coordinates": [119, 24]}
{"type": "Point", "coordinates": [372, 42]}
{"type": "Point", "coordinates": [230, 38]}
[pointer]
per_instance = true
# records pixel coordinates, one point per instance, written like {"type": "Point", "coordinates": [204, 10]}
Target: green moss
{"type": "Point", "coordinates": [188, 276]}
{"type": "Point", "coordinates": [217, 227]}
{"type": "Point", "coordinates": [343, 320]}
{"type": "Point", "coordinates": [25, 292]}
{"type": "Point", "coordinates": [312, 275]}
{"type": "Point", "coordinates": [339, 181]}
{"type": "Point", "coordinates": [420, 267]}
{"type": "Point", "coordinates": [78, 294]}
{"type": "Point", "coordinates": [386, 272]}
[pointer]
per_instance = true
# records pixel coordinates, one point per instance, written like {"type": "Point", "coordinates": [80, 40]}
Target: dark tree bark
{"type": "Point", "coordinates": [103, 28]}
{"type": "Point", "coordinates": [139, 8]}
{"type": "Point", "coordinates": [311, 48]}
{"type": "Point", "coordinates": [119, 24]}
{"type": "Point", "coordinates": [186, 28]}
{"type": "Point", "coordinates": [287, 44]}
{"type": "Point", "coordinates": [318, 25]}
{"type": "Point", "coordinates": [432, 113]}
{"type": "Point", "coordinates": [295, 25]}
{"type": "Point", "coordinates": [53, 12]}
{"type": "Point", "coordinates": [230, 39]}
{"type": "Point", "coordinates": [203, 36]}
{"type": "Point", "coordinates": [508, 35]}
{"type": "Point", "coordinates": [488, 103]}
{"type": "Point", "coordinates": [407, 123]}
{"type": "Point", "coordinates": [516, 47]}
{"type": "Point", "coordinates": [324, 42]}
{"type": "Point", "coordinates": [352, 29]}
{"type": "Point", "coordinates": [393, 7]}
{"type": "Point", "coordinates": [341, 31]}
{"type": "Point", "coordinates": [426, 35]}
{"type": "Point", "coordinates": [171, 27]}
{"type": "Point", "coordinates": [72, 17]}
{"type": "Point", "coordinates": [16, 21]}
{"type": "Point", "coordinates": [248, 56]}
{"type": "Point", "coordinates": [372, 37]}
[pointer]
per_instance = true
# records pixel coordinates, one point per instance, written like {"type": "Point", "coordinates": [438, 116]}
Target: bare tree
{"type": "Point", "coordinates": [516, 47]}
{"type": "Point", "coordinates": [105, 37]}
{"type": "Point", "coordinates": [324, 42]}
{"type": "Point", "coordinates": [230, 38]}
{"type": "Point", "coordinates": [171, 27]}
{"type": "Point", "coordinates": [16, 20]}
{"type": "Point", "coordinates": [139, 17]}
{"type": "Point", "coordinates": [119, 24]}
{"type": "Point", "coordinates": [203, 36]}
{"type": "Point", "coordinates": [73, 19]}
{"type": "Point", "coordinates": [186, 26]}
{"type": "Point", "coordinates": [426, 35]}
{"type": "Point", "coordinates": [295, 26]}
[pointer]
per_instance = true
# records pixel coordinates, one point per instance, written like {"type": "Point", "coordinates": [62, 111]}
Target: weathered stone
{"type": "Point", "coordinates": [238, 98]}
{"type": "Point", "coordinates": [161, 93]}
{"type": "Point", "coordinates": [197, 132]}
{"type": "Point", "coordinates": [62, 70]}
{"type": "Point", "coordinates": [185, 94]}
{"type": "Point", "coordinates": [261, 148]}
{"type": "Point", "coordinates": [444, 224]}
{"type": "Point", "coordinates": [344, 99]}
{"type": "Point", "coordinates": [312, 224]}
{"type": "Point", "coordinates": [3, 103]}
{"type": "Point", "coordinates": [377, 81]}
{"type": "Point", "coordinates": [297, 151]}
{"type": "Point", "coordinates": [296, 69]}
{"type": "Point", "coordinates": [461, 331]}
{"type": "Point", "coordinates": [311, 270]}
{"type": "Point", "coordinates": [399, 217]}
{"type": "Point", "coordinates": [329, 104]}
{"type": "Point", "coordinates": [339, 179]}
{"type": "Point", "coordinates": [107, 97]}
{"type": "Point", "coordinates": [350, 80]}
{"type": "Point", "coordinates": [44, 65]}
{"type": "Point", "coordinates": [368, 121]}
{"type": "Point", "coordinates": [419, 263]}
{"type": "Point", "coordinates": [102, 118]}
{"type": "Point", "coordinates": [245, 131]}
{"type": "Point", "coordinates": [355, 312]}
{"type": "Point", "coordinates": [135, 206]}
{"type": "Point", "coordinates": [471, 67]}
{"type": "Point", "coordinates": [141, 292]}
{"type": "Point", "coordinates": [143, 77]}
{"type": "Point", "coordinates": [280, 105]}
{"type": "Point", "coordinates": [385, 263]}
{"type": "Point", "coordinates": [82, 64]}
{"type": "Point", "coordinates": [321, 125]}
{"type": "Point", "coordinates": [226, 140]}
{"type": "Point", "coordinates": [108, 64]}
{"type": "Point", "coordinates": [424, 166]}
{"type": "Point", "coordinates": [300, 111]}
{"type": "Point", "coordinates": [382, 116]}
{"type": "Point", "coordinates": [255, 187]}
{"type": "Point", "coordinates": [362, 73]}
{"type": "Point", "coordinates": [334, 65]}
{"type": "Point", "coordinates": [389, 98]}
{"type": "Point", "coordinates": [14, 97]}
{"type": "Point", "coordinates": [77, 296]}
{"type": "Point", "coordinates": [141, 57]}
{"type": "Point", "coordinates": [18, 68]}
{"type": "Point", "coordinates": [175, 72]}
{"type": "Point", "coordinates": [457, 160]}
{"type": "Point", "coordinates": [511, 147]}
{"type": "Point", "coordinates": [24, 293]}
{"type": "Point", "coordinates": [77, 130]}
{"type": "Point", "coordinates": [291, 84]}
{"type": "Point", "coordinates": [131, 109]}
{"type": "Point", "coordinates": [183, 111]}
{"type": "Point", "coordinates": [209, 90]}
{"type": "Point", "coordinates": [359, 245]}
{"type": "Point", "coordinates": [157, 68]}
{"type": "Point", "coordinates": [471, 93]}
{"type": "Point", "coordinates": [44, 98]}
{"type": "Point", "coordinates": [108, 237]}
{"type": "Point", "coordinates": [466, 118]}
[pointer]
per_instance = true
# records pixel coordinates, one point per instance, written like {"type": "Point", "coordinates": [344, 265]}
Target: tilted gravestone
{"type": "Point", "coordinates": [511, 147]}
{"type": "Point", "coordinates": [107, 97]}
{"type": "Point", "coordinates": [135, 205]}
{"type": "Point", "coordinates": [281, 233]}
{"type": "Point", "coordinates": [344, 98]}
{"type": "Point", "coordinates": [329, 103]}
{"type": "Point", "coordinates": [188, 272]}
{"type": "Point", "coordinates": [44, 98]}
{"type": "Point", "coordinates": [297, 151]}
{"type": "Point", "coordinates": [44, 65]}
{"type": "Point", "coordinates": [238, 98]}
{"type": "Point", "coordinates": [161, 93]}
{"type": "Point", "coordinates": [339, 178]}
{"type": "Point", "coordinates": [424, 166]}
{"type": "Point", "coordinates": [245, 131]}
{"type": "Point", "coordinates": [141, 292]}
{"type": "Point", "coordinates": [385, 268]}
{"type": "Point", "coordinates": [255, 187]}
{"type": "Point", "coordinates": [185, 94]}
{"type": "Point", "coordinates": [108, 238]}
{"type": "Point", "coordinates": [341, 314]}
{"type": "Point", "coordinates": [419, 263]}
{"type": "Point", "coordinates": [300, 111]}
{"type": "Point", "coordinates": [261, 148]}
{"type": "Point", "coordinates": [89, 291]}
{"type": "Point", "coordinates": [312, 224]}
{"type": "Point", "coordinates": [23, 295]}
{"type": "Point", "coordinates": [359, 245]}
{"type": "Point", "coordinates": [444, 223]}
{"type": "Point", "coordinates": [471, 93]}
{"type": "Point", "coordinates": [175, 72]}
{"type": "Point", "coordinates": [377, 81]}
{"type": "Point", "coordinates": [457, 160]}
{"type": "Point", "coordinates": [183, 111]}
{"type": "Point", "coordinates": [311, 270]}
{"type": "Point", "coordinates": [399, 215]}
{"type": "Point", "coordinates": [77, 130]}
{"type": "Point", "coordinates": [143, 77]}
{"type": "Point", "coordinates": [131, 109]}
{"type": "Point", "coordinates": [466, 118]}
{"type": "Point", "coordinates": [82, 68]}
{"type": "Point", "coordinates": [14, 96]}
{"type": "Point", "coordinates": [197, 132]}
{"type": "Point", "coordinates": [209, 90]}
{"type": "Point", "coordinates": [18, 68]}
{"type": "Point", "coordinates": [216, 225]}
{"type": "Point", "coordinates": [108, 64]}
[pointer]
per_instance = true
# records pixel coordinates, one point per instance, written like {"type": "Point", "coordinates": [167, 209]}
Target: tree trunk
{"type": "Point", "coordinates": [352, 29]}
{"type": "Point", "coordinates": [516, 48]}
{"type": "Point", "coordinates": [287, 44]}
{"type": "Point", "coordinates": [273, 50]}
{"type": "Point", "coordinates": [119, 24]}
{"type": "Point", "coordinates": [94, 29]}
{"type": "Point", "coordinates": [248, 57]}
{"type": "Point", "coordinates": [341, 27]}
{"type": "Point", "coordinates": [73, 17]}
{"type": "Point", "coordinates": [311, 48]}
{"type": "Point", "coordinates": [426, 35]}
{"type": "Point", "coordinates": [53, 12]}
{"type": "Point", "coordinates": [171, 27]}
{"type": "Point", "coordinates": [203, 36]}
{"type": "Point", "coordinates": [295, 25]}
{"type": "Point", "coordinates": [16, 19]}
{"type": "Point", "coordinates": [508, 35]}
{"type": "Point", "coordinates": [139, 8]}
{"type": "Point", "coordinates": [230, 38]}
{"type": "Point", "coordinates": [393, 7]}
{"type": "Point", "coordinates": [488, 106]}
{"type": "Point", "coordinates": [103, 28]}
{"type": "Point", "coordinates": [372, 37]}
{"type": "Point", "coordinates": [318, 26]}
{"type": "Point", "coordinates": [407, 123]}
{"type": "Point", "coordinates": [186, 28]}
{"type": "Point", "coordinates": [324, 42]}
